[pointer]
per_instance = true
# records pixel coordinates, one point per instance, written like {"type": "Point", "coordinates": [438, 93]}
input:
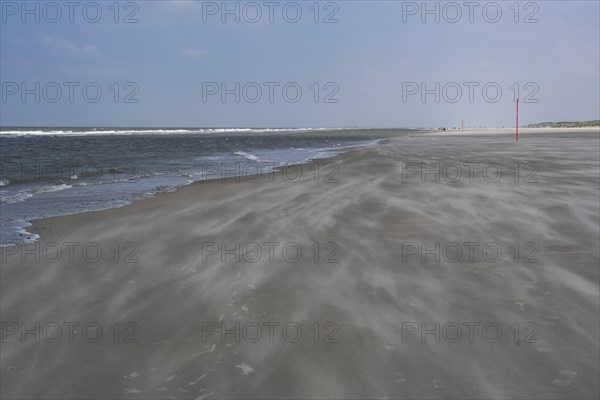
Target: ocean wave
{"type": "Point", "coordinates": [53, 188]}
{"type": "Point", "coordinates": [156, 131]}
{"type": "Point", "coordinates": [247, 156]}
{"type": "Point", "coordinates": [4, 182]}
{"type": "Point", "coordinates": [16, 196]}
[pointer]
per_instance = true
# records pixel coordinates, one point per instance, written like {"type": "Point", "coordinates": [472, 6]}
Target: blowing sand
{"type": "Point", "coordinates": [391, 240]}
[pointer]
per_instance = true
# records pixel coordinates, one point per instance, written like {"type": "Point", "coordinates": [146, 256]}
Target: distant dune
{"type": "Point", "coordinates": [565, 124]}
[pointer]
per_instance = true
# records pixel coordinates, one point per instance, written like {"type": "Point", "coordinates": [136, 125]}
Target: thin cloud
{"type": "Point", "coordinates": [65, 47]}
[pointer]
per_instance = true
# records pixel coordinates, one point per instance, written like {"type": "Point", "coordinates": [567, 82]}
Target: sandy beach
{"type": "Point", "coordinates": [428, 266]}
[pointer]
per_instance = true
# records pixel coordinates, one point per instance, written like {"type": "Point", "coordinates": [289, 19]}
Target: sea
{"type": "Point", "coordinates": [52, 171]}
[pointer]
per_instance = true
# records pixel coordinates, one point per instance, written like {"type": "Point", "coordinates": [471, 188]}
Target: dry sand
{"type": "Point", "coordinates": [366, 304]}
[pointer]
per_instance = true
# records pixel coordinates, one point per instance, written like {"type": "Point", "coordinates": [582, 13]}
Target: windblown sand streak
{"type": "Point", "coordinates": [369, 294]}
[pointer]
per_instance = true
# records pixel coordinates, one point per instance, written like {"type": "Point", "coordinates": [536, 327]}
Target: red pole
{"type": "Point", "coordinates": [517, 132]}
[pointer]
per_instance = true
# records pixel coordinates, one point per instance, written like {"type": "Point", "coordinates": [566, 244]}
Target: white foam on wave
{"type": "Point", "coordinates": [24, 237]}
{"type": "Point", "coordinates": [53, 188]}
{"type": "Point", "coordinates": [22, 195]}
{"type": "Point", "coordinates": [4, 182]}
{"type": "Point", "coordinates": [15, 197]}
{"type": "Point", "coordinates": [156, 131]}
{"type": "Point", "coordinates": [247, 156]}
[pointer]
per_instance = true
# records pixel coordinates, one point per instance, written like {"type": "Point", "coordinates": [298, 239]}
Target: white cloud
{"type": "Point", "coordinates": [194, 53]}
{"type": "Point", "coordinates": [65, 47]}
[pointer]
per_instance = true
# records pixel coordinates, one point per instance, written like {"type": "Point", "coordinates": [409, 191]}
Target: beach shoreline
{"type": "Point", "coordinates": [36, 187]}
{"type": "Point", "coordinates": [37, 224]}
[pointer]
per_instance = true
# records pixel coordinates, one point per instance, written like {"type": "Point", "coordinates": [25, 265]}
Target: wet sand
{"type": "Point", "coordinates": [393, 225]}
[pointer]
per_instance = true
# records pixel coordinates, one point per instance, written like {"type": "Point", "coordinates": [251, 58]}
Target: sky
{"type": "Point", "coordinates": [298, 64]}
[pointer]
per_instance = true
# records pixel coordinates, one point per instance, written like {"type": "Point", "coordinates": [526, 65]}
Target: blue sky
{"type": "Point", "coordinates": [364, 61]}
